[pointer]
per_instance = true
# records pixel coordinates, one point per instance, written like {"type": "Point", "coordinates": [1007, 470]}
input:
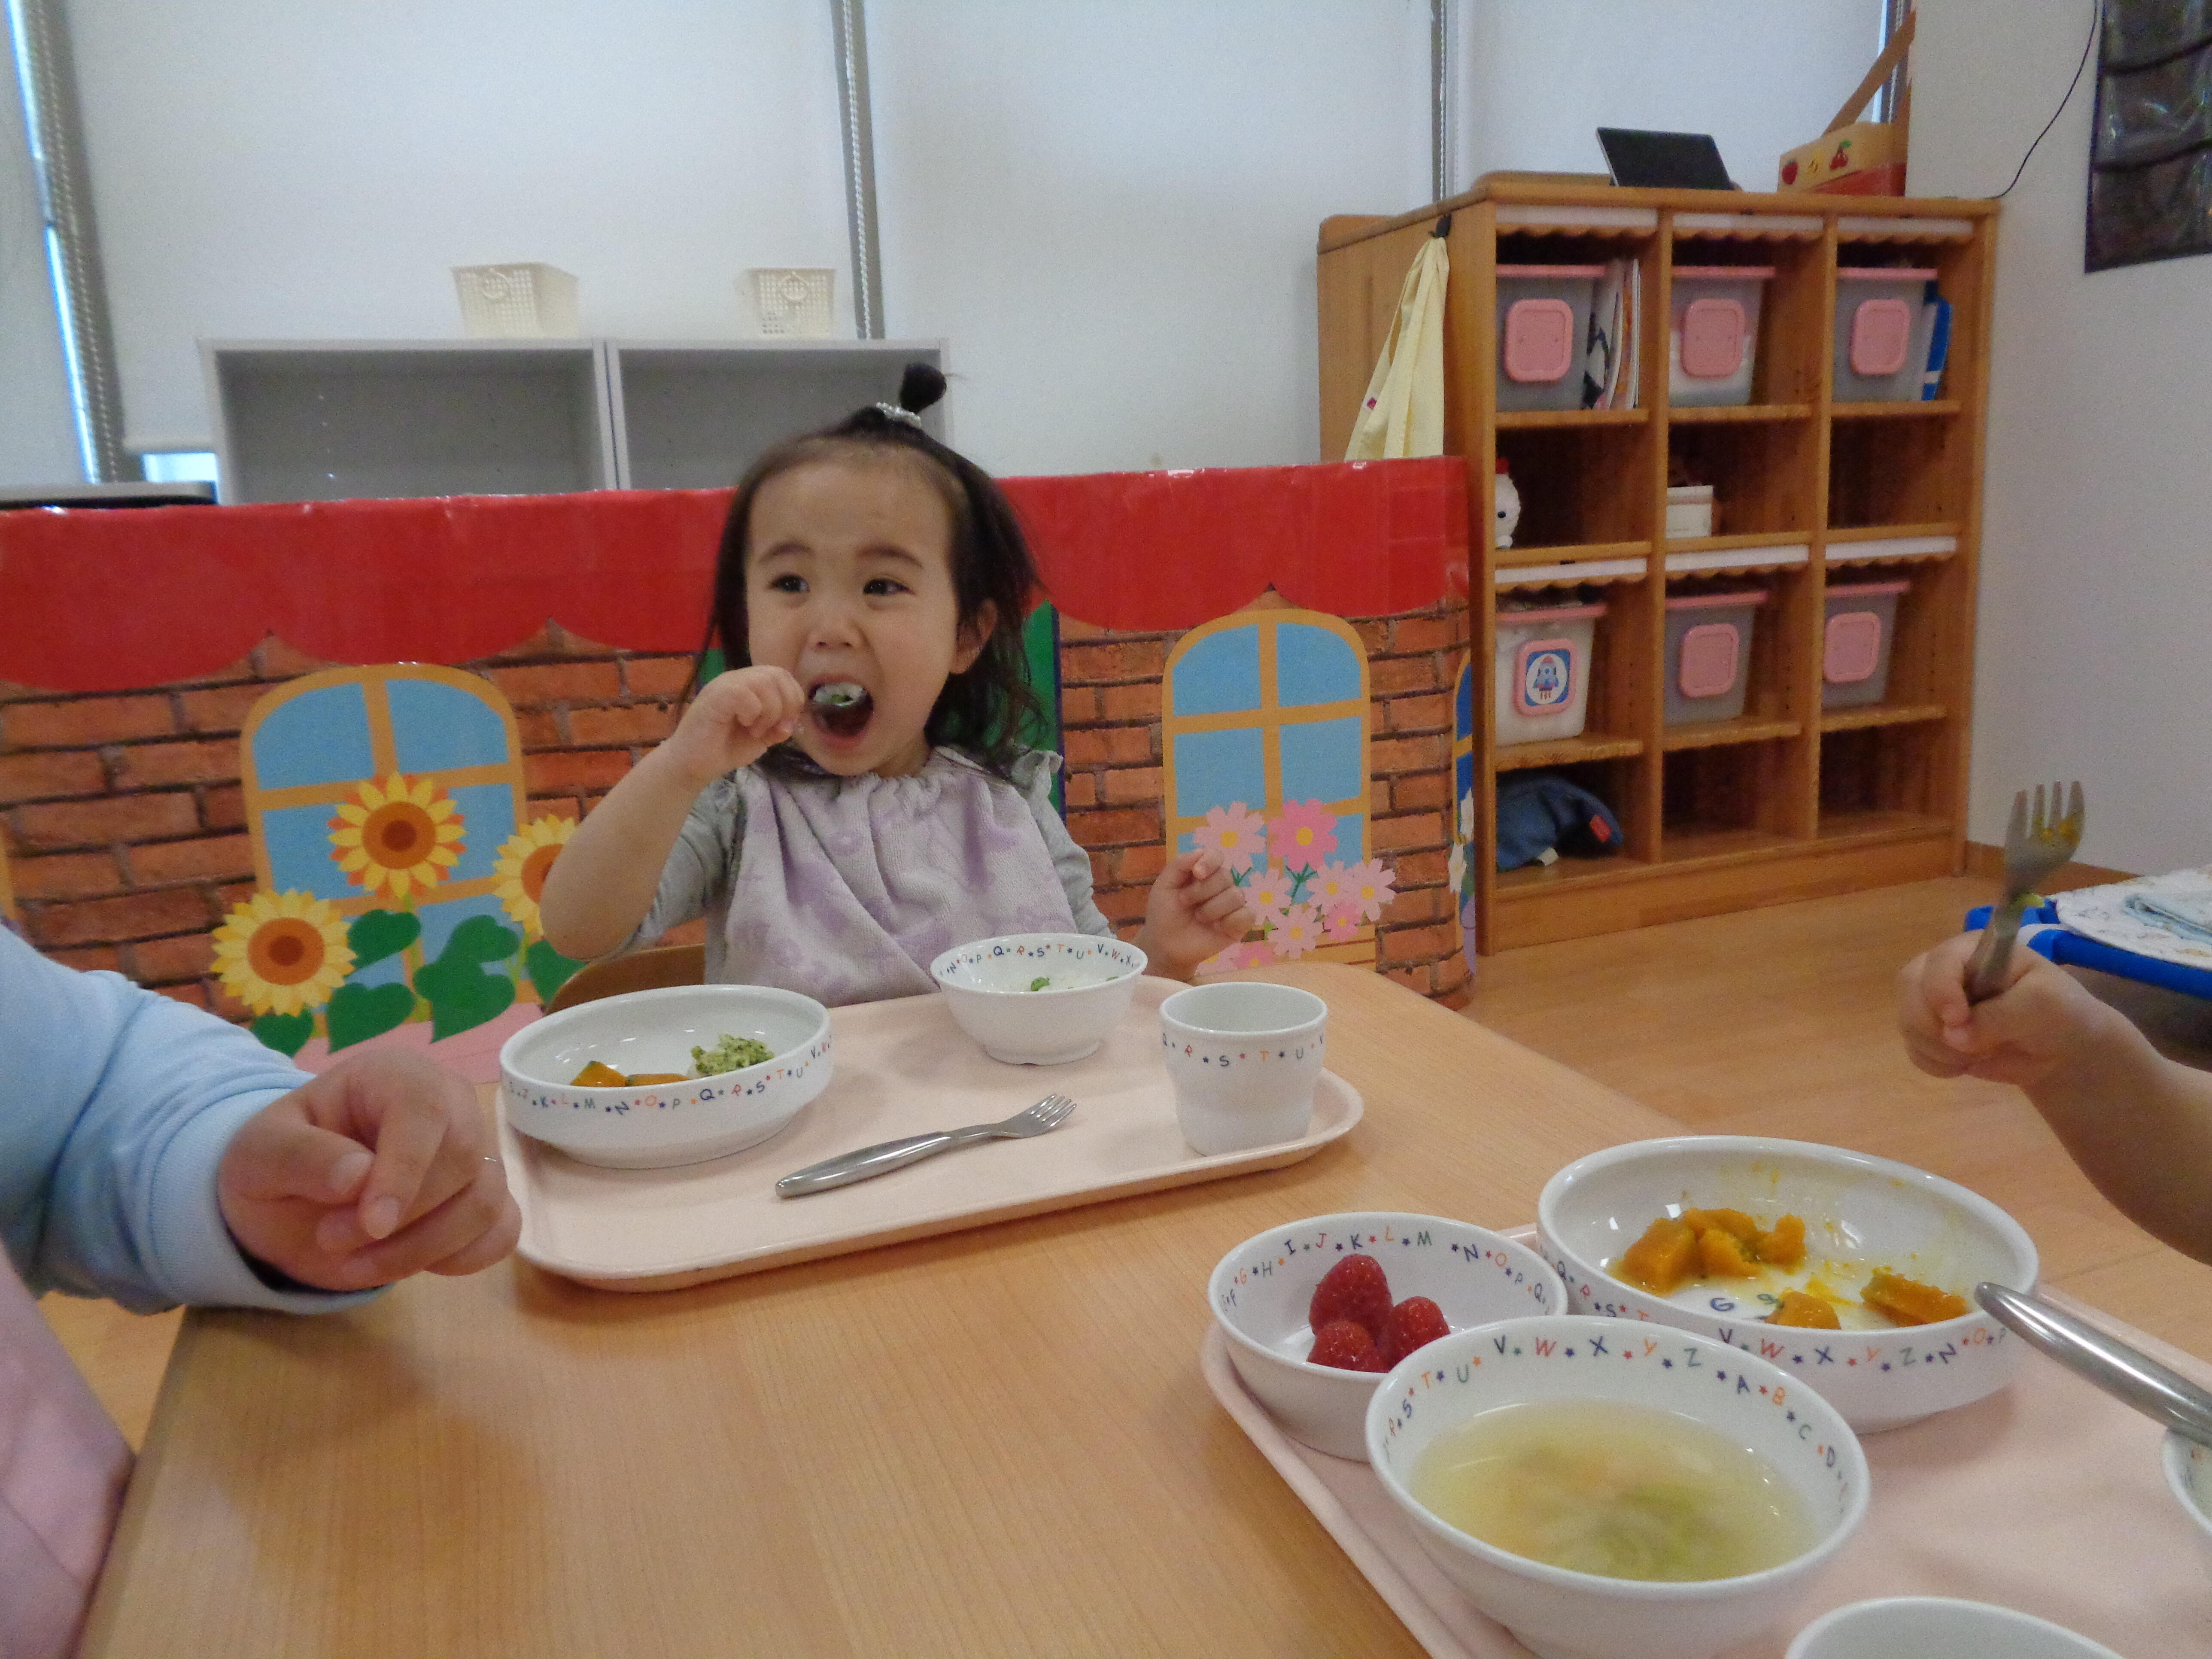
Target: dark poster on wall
{"type": "Point", "coordinates": [2150, 154]}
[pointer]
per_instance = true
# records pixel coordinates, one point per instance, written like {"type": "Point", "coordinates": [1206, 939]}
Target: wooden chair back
{"type": "Point", "coordinates": [641, 970]}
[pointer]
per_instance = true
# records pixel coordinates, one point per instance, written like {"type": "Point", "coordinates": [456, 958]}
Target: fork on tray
{"type": "Point", "coordinates": [2036, 846]}
{"type": "Point", "coordinates": [869, 1162]}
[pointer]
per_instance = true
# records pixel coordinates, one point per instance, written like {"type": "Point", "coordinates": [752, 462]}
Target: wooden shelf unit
{"type": "Point", "coordinates": [1789, 800]}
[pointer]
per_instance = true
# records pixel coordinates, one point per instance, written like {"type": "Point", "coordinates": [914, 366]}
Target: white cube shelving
{"type": "Point", "coordinates": [693, 416]}
{"type": "Point", "coordinates": [308, 421]}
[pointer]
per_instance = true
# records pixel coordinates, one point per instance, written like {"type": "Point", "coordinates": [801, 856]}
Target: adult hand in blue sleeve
{"type": "Point", "coordinates": [381, 1167]}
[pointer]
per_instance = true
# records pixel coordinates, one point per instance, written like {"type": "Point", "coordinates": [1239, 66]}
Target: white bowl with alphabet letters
{"type": "Point", "coordinates": [1861, 1213]}
{"type": "Point", "coordinates": [1260, 1290]}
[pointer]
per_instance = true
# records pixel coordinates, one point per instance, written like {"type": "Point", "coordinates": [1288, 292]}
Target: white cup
{"type": "Point", "coordinates": [1244, 1058]}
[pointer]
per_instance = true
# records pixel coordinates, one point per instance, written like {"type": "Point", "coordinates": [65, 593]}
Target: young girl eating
{"type": "Point", "coordinates": [849, 799]}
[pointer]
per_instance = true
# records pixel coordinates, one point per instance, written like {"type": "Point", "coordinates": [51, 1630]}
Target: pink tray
{"type": "Point", "coordinates": [902, 1068]}
{"type": "Point", "coordinates": [2046, 1497]}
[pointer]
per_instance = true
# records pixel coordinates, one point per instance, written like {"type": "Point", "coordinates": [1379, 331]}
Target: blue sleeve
{"type": "Point", "coordinates": [115, 1107]}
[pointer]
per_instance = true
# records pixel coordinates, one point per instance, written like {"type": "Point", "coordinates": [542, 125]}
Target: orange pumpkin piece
{"type": "Point", "coordinates": [600, 1075]}
{"type": "Point", "coordinates": [1808, 1311]}
{"type": "Point", "coordinates": [1908, 1302]}
{"type": "Point", "coordinates": [648, 1079]}
{"type": "Point", "coordinates": [1735, 1223]}
{"type": "Point", "coordinates": [1784, 1247]}
{"type": "Point", "coordinates": [1722, 1254]}
{"type": "Point", "coordinates": [1661, 1260]}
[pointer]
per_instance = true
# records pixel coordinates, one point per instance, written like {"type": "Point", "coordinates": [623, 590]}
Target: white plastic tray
{"type": "Point", "coordinates": [902, 1067]}
{"type": "Point", "coordinates": [2046, 1497]}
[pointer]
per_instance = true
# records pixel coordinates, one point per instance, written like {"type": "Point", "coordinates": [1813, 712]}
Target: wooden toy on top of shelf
{"type": "Point", "coordinates": [1855, 157]}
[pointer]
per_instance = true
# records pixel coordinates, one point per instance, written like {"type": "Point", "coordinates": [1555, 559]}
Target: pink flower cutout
{"type": "Point", "coordinates": [1370, 887]}
{"type": "Point", "coordinates": [1235, 832]}
{"type": "Point", "coordinates": [1304, 835]}
{"type": "Point", "coordinates": [1298, 933]}
{"type": "Point", "coordinates": [1330, 886]}
{"type": "Point", "coordinates": [1253, 955]}
{"type": "Point", "coordinates": [1269, 895]}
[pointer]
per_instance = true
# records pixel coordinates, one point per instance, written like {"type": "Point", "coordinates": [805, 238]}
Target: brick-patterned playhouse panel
{"type": "Point", "coordinates": [1111, 711]}
{"type": "Point", "coordinates": [122, 816]}
{"type": "Point", "coordinates": [121, 812]}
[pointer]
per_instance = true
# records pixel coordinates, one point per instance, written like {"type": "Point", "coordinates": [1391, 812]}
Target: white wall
{"type": "Point", "coordinates": [312, 168]}
{"type": "Point", "coordinates": [1541, 75]}
{"type": "Point", "coordinates": [2097, 544]}
{"type": "Point", "coordinates": [37, 441]}
{"type": "Point", "coordinates": [1110, 211]}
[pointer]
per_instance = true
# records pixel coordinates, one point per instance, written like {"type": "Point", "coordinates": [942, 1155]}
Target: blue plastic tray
{"type": "Point", "coordinates": [2046, 936]}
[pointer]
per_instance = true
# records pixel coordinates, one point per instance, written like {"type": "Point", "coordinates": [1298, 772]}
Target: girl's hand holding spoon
{"type": "Point", "coordinates": [734, 720]}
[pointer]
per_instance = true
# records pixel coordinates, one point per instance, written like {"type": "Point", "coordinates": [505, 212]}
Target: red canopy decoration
{"type": "Point", "coordinates": [97, 600]}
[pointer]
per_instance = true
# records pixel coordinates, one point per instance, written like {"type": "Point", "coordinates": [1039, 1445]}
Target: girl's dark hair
{"type": "Point", "coordinates": [984, 709]}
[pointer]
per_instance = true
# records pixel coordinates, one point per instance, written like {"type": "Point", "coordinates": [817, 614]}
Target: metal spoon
{"type": "Point", "coordinates": [846, 1168]}
{"type": "Point", "coordinates": [2123, 1373]}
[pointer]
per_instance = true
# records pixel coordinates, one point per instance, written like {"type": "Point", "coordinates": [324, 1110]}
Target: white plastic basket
{"type": "Point", "coordinates": [510, 302]}
{"type": "Point", "coordinates": [793, 301]}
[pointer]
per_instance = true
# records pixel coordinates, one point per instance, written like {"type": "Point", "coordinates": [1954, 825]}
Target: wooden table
{"type": "Point", "coordinates": [992, 1443]}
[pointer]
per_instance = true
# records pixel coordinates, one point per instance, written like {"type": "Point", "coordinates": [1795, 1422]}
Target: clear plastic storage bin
{"type": "Point", "coordinates": [1882, 325]}
{"type": "Point", "coordinates": [1543, 327]}
{"type": "Point", "coordinates": [1709, 654]}
{"type": "Point", "coordinates": [1543, 670]}
{"type": "Point", "coordinates": [1713, 325]}
{"type": "Point", "coordinates": [1855, 643]}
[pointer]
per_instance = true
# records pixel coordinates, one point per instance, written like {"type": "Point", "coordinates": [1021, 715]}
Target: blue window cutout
{"type": "Point", "coordinates": [487, 821]}
{"type": "Point", "coordinates": [1321, 760]}
{"type": "Point", "coordinates": [1220, 675]}
{"type": "Point", "coordinates": [299, 853]}
{"type": "Point", "coordinates": [319, 737]}
{"type": "Point", "coordinates": [1313, 665]}
{"type": "Point", "coordinates": [436, 727]}
{"type": "Point", "coordinates": [1213, 769]}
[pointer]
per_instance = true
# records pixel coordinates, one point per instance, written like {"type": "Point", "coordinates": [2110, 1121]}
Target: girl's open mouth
{"type": "Point", "coordinates": [841, 707]}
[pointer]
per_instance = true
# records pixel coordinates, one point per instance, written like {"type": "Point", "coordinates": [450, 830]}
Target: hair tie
{"type": "Point", "coordinates": [897, 414]}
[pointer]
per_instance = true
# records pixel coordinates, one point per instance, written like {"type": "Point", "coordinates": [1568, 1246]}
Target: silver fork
{"type": "Point", "coordinates": [846, 1168]}
{"type": "Point", "coordinates": [2034, 847]}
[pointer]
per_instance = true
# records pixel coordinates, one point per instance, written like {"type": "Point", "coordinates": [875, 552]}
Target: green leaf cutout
{"type": "Point", "coordinates": [461, 996]}
{"type": "Point", "coordinates": [376, 934]}
{"type": "Point", "coordinates": [286, 1033]}
{"type": "Point", "coordinates": [358, 1013]}
{"type": "Point", "coordinates": [548, 969]}
{"type": "Point", "coordinates": [481, 939]}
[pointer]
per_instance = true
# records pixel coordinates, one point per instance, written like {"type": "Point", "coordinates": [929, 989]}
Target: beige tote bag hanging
{"type": "Point", "coordinates": [1403, 412]}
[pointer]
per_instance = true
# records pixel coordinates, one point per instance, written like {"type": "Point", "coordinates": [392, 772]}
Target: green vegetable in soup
{"type": "Point", "coordinates": [1620, 1490]}
{"type": "Point", "coordinates": [730, 1054]}
{"type": "Point", "coordinates": [1040, 981]}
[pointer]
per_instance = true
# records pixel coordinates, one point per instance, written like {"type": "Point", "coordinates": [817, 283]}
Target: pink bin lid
{"type": "Point", "coordinates": [1710, 655]}
{"type": "Point", "coordinates": [1880, 274]}
{"type": "Point", "coordinates": [1727, 273]}
{"type": "Point", "coordinates": [1550, 614]}
{"type": "Point", "coordinates": [1716, 601]}
{"type": "Point", "coordinates": [1866, 590]}
{"type": "Point", "coordinates": [1531, 271]}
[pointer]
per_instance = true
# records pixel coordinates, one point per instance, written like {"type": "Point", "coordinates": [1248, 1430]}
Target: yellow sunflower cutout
{"type": "Point", "coordinates": [398, 837]}
{"type": "Point", "coordinates": [282, 953]}
{"type": "Point", "coordinates": [525, 860]}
